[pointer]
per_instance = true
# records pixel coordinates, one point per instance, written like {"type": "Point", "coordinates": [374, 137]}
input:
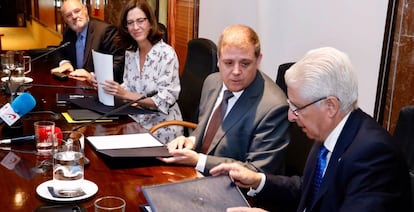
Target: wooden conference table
{"type": "Point", "coordinates": [119, 177]}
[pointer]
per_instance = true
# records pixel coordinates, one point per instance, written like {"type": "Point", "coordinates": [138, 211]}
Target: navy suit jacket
{"type": "Point", "coordinates": [254, 132]}
{"type": "Point", "coordinates": [365, 173]}
{"type": "Point", "coordinates": [100, 37]}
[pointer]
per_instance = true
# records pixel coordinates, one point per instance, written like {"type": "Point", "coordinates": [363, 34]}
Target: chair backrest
{"type": "Point", "coordinates": [404, 135]}
{"type": "Point", "coordinates": [200, 62]}
{"type": "Point", "coordinates": [299, 145]}
{"type": "Point", "coordinates": [164, 29]}
{"type": "Point", "coordinates": [280, 78]}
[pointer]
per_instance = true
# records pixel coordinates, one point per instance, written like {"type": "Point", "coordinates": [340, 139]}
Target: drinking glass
{"type": "Point", "coordinates": [110, 203]}
{"type": "Point", "coordinates": [5, 61]}
{"type": "Point", "coordinates": [19, 66]}
{"type": "Point", "coordinates": [45, 136]}
{"type": "Point", "coordinates": [68, 166]}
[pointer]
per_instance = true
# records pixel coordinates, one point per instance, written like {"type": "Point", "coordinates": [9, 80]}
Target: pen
{"type": "Point", "coordinates": [17, 140]}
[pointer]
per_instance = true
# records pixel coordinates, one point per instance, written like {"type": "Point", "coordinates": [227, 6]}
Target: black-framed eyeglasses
{"type": "Point", "coordinates": [296, 110]}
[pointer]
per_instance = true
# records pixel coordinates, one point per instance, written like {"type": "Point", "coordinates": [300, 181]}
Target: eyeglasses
{"type": "Point", "coordinates": [296, 110]}
{"type": "Point", "coordinates": [139, 22]}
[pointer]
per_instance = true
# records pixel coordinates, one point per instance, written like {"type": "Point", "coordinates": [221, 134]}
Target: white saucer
{"type": "Point", "coordinates": [26, 79]}
{"type": "Point", "coordinates": [89, 187]}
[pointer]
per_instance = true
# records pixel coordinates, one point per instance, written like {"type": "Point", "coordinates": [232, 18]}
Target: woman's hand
{"type": "Point", "coordinates": [113, 88]}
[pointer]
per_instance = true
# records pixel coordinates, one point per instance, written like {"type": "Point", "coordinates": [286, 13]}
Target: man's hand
{"type": "Point", "coordinates": [63, 68]}
{"type": "Point", "coordinates": [241, 175]}
{"type": "Point", "coordinates": [181, 142]}
{"type": "Point", "coordinates": [182, 156]}
{"type": "Point", "coordinates": [81, 74]}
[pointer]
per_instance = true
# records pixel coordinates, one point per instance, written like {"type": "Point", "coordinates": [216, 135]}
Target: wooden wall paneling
{"type": "Point", "coordinates": [47, 13]}
{"type": "Point", "coordinates": [183, 28]}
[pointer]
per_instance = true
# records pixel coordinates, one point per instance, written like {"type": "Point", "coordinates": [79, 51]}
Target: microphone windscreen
{"type": "Point", "coordinates": [23, 104]}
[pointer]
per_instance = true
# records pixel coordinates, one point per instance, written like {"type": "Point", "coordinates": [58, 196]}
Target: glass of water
{"type": "Point", "coordinates": [68, 165]}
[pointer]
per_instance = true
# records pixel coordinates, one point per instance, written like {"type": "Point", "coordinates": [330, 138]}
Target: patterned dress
{"type": "Point", "coordinates": [159, 73]}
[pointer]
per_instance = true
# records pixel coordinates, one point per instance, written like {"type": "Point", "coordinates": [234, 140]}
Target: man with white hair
{"type": "Point", "coordinates": [353, 165]}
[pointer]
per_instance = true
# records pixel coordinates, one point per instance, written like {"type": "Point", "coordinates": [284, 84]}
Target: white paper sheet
{"type": "Point", "coordinates": [103, 71]}
{"type": "Point", "coordinates": [123, 141]}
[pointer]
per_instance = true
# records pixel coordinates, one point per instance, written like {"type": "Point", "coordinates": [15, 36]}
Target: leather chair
{"type": "Point", "coordinates": [200, 62]}
{"type": "Point", "coordinates": [164, 29]}
{"type": "Point", "coordinates": [280, 79]}
{"type": "Point", "coordinates": [404, 135]}
{"type": "Point", "coordinates": [299, 145]}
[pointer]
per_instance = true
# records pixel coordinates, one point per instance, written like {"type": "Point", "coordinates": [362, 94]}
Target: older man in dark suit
{"type": "Point", "coordinates": [354, 164]}
{"type": "Point", "coordinates": [86, 34]}
{"type": "Point", "coordinates": [254, 130]}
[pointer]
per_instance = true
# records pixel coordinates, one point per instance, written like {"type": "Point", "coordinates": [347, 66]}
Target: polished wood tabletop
{"type": "Point", "coordinates": [123, 177]}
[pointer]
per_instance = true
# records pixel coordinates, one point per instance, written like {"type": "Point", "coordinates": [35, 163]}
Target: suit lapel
{"type": "Point", "coordinates": [308, 174]}
{"type": "Point", "coordinates": [212, 94]}
{"type": "Point", "coordinates": [88, 42]}
{"type": "Point", "coordinates": [345, 139]}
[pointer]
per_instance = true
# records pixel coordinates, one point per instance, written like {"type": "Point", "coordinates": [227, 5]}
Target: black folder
{"type": "Point", "coordinates": [202, 194]}
{"type": "Point", "coordinates": [95, 105]}
{"type": "Point", "coordinates": [85, 114]}
{"type": "Point", "coordinates": [157, 151]}
{"type": "Point", "coordinates": [128, 146]}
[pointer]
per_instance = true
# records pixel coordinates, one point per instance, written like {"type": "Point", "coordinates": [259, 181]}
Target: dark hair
{"type": "Point", "coordinates": [124, 39]}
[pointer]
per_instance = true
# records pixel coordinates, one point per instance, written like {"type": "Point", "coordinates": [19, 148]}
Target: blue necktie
{"type": "Point", "coordinates": [317, 178]}
{"type": "Point", "coordinates": [80, 49]}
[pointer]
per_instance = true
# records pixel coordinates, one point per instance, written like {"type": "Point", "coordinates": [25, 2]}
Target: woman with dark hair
{"type": "Point", "coordinates": [150, 65]}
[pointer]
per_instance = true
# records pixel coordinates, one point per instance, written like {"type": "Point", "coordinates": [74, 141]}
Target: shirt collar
{"type": "Point", "coordinates": [332, 138]}
{"type": "Point", "coordinates": [236, 94]}
{"type": "Point", "coordinates": [84, 31]}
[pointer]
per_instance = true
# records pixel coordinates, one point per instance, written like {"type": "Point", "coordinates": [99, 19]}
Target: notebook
{"type": "Point", "coordinates": [202, 194]}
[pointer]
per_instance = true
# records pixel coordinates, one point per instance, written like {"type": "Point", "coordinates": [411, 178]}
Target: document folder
{"type": "Point", "coordinates": [203, 194]}
{"type": "Point", "coordinates": [129, 145]}
{"type": "Point", "coordinates": [95, 105]}
{"type": "Point", "coordinates": [85, 114]}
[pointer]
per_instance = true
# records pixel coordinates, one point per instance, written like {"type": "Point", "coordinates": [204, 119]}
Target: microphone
{"type": "Point", "coordinates": [18, 140]}
{"type": "Point", "coordinates": [52, 86]}
{"type": "Point", "coordinates": [150, 94]}
{"type": "Point", "coordinates": [23, 104]}
{"type": "Point", "coordinates": [50, 51]}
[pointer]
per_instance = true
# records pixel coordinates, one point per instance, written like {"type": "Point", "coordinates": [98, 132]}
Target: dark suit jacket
{"type": "Point", "coordinates": [254, 132]}
{"type": "Point", "coordinates": [365, 173]}
{"type": "Point", "coordinates": [100, 37]}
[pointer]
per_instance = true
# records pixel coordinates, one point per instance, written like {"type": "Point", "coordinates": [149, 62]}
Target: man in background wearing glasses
{"type": "Point", "coordinates": [353, 165]}
{"type": "Point", "coordinates": [86, 34]}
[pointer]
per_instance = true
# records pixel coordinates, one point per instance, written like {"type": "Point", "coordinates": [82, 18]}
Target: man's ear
{"type": "Point", "coordinates": [333, 104]}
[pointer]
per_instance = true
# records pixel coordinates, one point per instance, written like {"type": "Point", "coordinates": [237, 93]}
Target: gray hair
{"type": "Point", "coordinates": [325, 72]}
